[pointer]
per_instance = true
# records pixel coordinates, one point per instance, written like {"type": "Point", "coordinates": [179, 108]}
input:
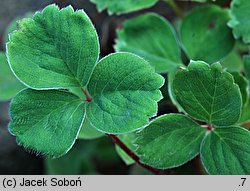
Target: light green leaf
{"type": "Point", "coordinates": [226, 151]}
{"type": "Point", "coordinates": [233, 62]}
{"type": "Point", "coordinates": [205, 35]}
{"type": "Point", "coordinates": [153, 38]}
{"type": "Point", "coordinates": [124, 6]}
{"type": "Point", "coordinates": [243, 85]}
{"type": "Point", "coordinates": [208, 93]}
{"type": "Point", "coordinates": [169, 141]}
{"type": "Point", "coordinates": [9, 85]}
{"type": "Point", "coordinates": [88, 131]}
{"type": "Point", "coordinates": [128, 140]}
{"type": "Point", "coordinates": [54, 49]}
{"type": "Point", "coordinates": [246, 60]}
{"type": "Point", "coordinates": [46, 121]}
{"type": "Point", "coordinates": [245, 117]}
{"type": "Point", "coordinates": [125, 91]}
{"type": "Point", "coordinates": [240, 19]}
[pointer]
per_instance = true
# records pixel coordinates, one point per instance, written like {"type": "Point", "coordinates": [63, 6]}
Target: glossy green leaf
{"type": "Point", "coordinates": [46, 121]}
{"type": "Point", "coordinates": [169, 141]}
{"type": "Point", "coordinates": [124, 90]}
{"type": "Point", "coordinates": [226, 151]}
{"type": "Point", "coordinates": [240, 19]}
{"type": "Point", "coordinates": [208, 93]}
{"type": "Point", "coordinates": [54, 49]}
{"type": "Point", "coordinates": [124, 6]}
{"type": "Point", "coordinates": [153, 38]}
{"type": "Point", "coordinates": [128, 140]}
{"type": "Point", "coordinates": [205, 34]}
{"type": "Point", "coordinates": [9, 85]}
{"type": "Point", "coordinates": [246, 60]}
{"type": "Point", "coordinates": [88, 131]}
{"type": "Point", "coordinates": [243, 85]}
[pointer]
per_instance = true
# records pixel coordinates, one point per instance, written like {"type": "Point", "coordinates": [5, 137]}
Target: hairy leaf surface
{"type": "Point", "coordinates": [54, 49]}
{"type": "Point", "coordinates": [46, 121]}
{"type": "Point", "coordinates": [125, 91]}
{"type": "Point", "coordinates": [226, 151]}
{"type": "Point", "coordinates": [169, 141]}
{"type": "Point", "coordinates": [208, 93]}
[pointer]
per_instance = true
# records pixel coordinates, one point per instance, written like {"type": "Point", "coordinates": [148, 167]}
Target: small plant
{"type": "Point", "coordinates": [71, 93]}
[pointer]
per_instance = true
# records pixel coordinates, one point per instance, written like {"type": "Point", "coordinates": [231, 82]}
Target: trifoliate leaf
{"type": "Point", "coordinates": [9, 85]}
{"type": "Point", "coordinates": [153, 38]}
{"type": "Point", "coordinates": [88, 131]}
{"type": "Point", "coordinates": [124, 90]}
{"type": "Point", "coordinates": [54, 49]}
{"type": "Point", "coordinates": [226, 151]}
{"type": "Point", "coordinates": [243, 85]}
{"type": "Point", "coordinates": [208, 93]}
{"type": "Point", "coordinates": [169, 141]}
{"type": "Point", "coordinates": [124, 6]}
{"type": "Point", "coordinates": [205, 34]}
{"type": "Point", "coordinates": [240, 19]}
{"type": "Point", "coordinates": [46, 121]}
{"type": "Point", "coordinates": [128, 140]}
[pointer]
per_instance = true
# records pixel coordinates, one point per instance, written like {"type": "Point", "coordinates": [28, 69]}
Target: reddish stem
{"type": "Point", "coordinates": [117, 141]}
{"type": "Point", "coordinates": [88, 98]}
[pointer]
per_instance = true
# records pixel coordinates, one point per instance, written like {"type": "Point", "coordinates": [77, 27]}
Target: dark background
{"type": "Point", "coordinates": [87, 157]}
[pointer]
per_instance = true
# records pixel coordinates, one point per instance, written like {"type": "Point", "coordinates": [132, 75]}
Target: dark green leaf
{"type": "Point", "coordinates": [46, 121]}
{"type": "Point", "coordinates": [208, 93]}
{"type": "Point", "coordinates": [153, 38]}
{"type": "Point", "coordinates": [49, 53]}
{"type": "Point", "coordinates": [246, 60]}
{"type": "Point", "coordinates": [169, 141]}
{"type": "Point", "coordinates": [226, 151]}
{"type": "Point", "coordinates": [125, 91]}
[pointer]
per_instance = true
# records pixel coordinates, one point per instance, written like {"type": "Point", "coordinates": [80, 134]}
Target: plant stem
{"type": "Point", "coordinates": [175, 7]}
{"type": "Point", "coordinates": [117, 141]}
{"type": "Point", "coordinates": [86, 93]}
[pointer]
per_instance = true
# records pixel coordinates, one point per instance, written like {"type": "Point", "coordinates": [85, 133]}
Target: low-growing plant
{"type": "Point", "coordinates": [70, 93]}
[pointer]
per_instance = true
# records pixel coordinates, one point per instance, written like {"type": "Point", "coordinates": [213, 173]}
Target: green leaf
{"type": "Point", "coordinates": [153, 38]}
{"type": "Point", "coordinates": [233, 62]}
{"type": "Point", "coordinates": [246, 60]}
{"type": "Point", "coordinates": [54, 49]}
{"type": "Point", "coordinates": [169, 141]}
{"type": "Point", "coordinates": [46, 121]}
{"type": "Point", "coordinates": [124, 6]}
{"type": "Point", "coordinates": [208, 93]}
{"type": "Point", "coordinates": [14, 25]}
{"type": "Point", "coordinates": [240, 19]}
{"type": "Point", "coordinates": [124, 90]}
{"type": "Point", "coordinates": [88, 131]}
{"type": "Point", "coordinates": [128, 140]}
{"type": "Point", "coordinates": [205, 35]}
{"type": "Point", "coordinates": [226, 151]}
{"type": "Point", "coordinates": [243, 85]}
{"type": "Point", "coordinates": [9, 85]}
{"type": "Point", "coordinates": [245, 117]}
